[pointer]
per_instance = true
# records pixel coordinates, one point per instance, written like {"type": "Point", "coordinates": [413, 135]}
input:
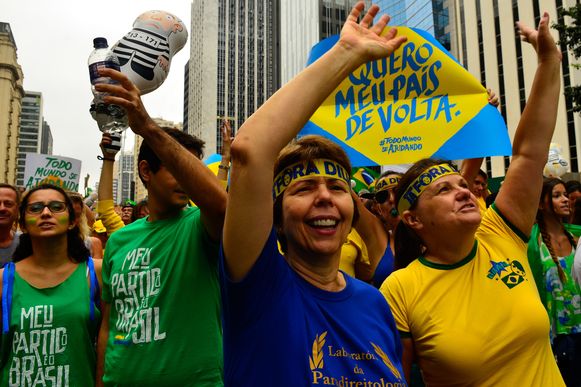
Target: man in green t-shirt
{"type": "Point", "coordinates": [161, 298]}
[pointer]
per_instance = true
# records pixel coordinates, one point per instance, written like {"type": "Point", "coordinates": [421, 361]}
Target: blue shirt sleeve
{"type": "Point", "coordinates": [264, 284]}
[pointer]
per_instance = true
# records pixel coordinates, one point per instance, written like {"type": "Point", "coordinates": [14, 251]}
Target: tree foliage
{"type": "Point", "coordinates": [570, 35]}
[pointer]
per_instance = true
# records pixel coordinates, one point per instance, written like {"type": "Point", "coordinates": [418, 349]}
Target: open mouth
{"type": "Point", "coordinates": [468, 207]}
{"type": "Point", "coordinates": [323, 224]}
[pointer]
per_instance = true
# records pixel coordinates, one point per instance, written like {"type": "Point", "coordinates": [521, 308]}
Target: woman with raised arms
{"type": "Point", "coordinates": [296, 320]}
{"type": "Point", "coordinates": [466, 305]}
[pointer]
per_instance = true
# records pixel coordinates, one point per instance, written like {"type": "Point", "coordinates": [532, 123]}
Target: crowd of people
{"type": "Point", "coordinates": [276, 273]}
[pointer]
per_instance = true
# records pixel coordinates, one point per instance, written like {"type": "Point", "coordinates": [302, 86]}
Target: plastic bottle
{"type": "Point", "coordinates": [110, 118]}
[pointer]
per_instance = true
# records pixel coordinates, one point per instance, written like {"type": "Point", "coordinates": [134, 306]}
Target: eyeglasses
{"type": "Point", "coordinates": [54, 207]}
{"type": "Point", "coordinates": [382, 196]}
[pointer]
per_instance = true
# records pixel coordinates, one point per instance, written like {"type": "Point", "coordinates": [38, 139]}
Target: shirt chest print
{"type": "Point", "coordinates": [511, 273]}
{"type": "Point", "coordinates": [323, 355]}
{"type": "Point", "coordinates": [133, 288]}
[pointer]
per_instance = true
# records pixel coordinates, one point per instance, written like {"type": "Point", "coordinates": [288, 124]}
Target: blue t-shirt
{"type": "Point", "coordinates": [384, 267]}
{"type": "Point", "coordinates": [279, 330]}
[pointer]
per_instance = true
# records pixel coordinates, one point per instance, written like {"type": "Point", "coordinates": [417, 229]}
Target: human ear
{"type": "Point", "coordinates": [144, 170]}
{"type": "Point", "coordinates": [412, 220]}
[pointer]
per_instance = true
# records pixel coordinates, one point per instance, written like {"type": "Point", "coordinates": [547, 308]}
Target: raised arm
{"type": "Point", "coordinates": [224, 165]}
{"type": "Point", "coordinates": [258, 142]}
{"type": "Point", "coordinates": [519, 197]}
{"type": "Point", "coordinates": [374, 234]}
{"type": "Point", "coordinates": [111, 220]}
{"type": "Point", "coordinates": [193, 176]}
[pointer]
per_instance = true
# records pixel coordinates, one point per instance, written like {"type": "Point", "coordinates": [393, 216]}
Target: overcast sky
{"type": "Point", "coordinates": [54, 39]}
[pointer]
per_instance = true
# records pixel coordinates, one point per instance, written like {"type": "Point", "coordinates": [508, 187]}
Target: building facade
{"type": "Point", "coordinates": [46, 139]}
{"type": "Point", "coordinates": [11, 95]}
{"type": "Point", "coordinates": [303, 23]}
{"type": "Point", "coordinates": [125, 181]}
{"type": "Point", "coordinates": [437, 17]}
{"type": "Point", "coordinates": [233, 66]}
{"type": "Point", "coordinates": [30, 132]}
{"type": "Point", "coordinates": [490, 48]}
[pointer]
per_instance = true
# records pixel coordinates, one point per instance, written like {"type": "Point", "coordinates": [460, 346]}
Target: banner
{"type": "Point", "coordinates": [212, 162]}
{"type": "Point", "coordinates": [61, 171]}
{"type": "Point", "coordinates": [419, 102]}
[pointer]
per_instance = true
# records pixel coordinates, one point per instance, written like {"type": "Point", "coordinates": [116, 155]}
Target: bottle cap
{"type": "Point", "coordinates": [100, 43]}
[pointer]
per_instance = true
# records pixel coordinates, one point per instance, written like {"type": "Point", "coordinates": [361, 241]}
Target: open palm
{"type": "Point", "coordinates": [365, 40]}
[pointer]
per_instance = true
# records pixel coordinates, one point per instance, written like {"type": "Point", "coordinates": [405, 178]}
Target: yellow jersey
{"type": "Point", "coordinates": [352, 251]}
{"type": "Point", "coordinates": [480, 321]}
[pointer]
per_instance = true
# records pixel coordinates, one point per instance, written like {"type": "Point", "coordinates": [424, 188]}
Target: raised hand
{"type": "Point", "coordinates": [226, 138]}
{"type": "Point", "coordinates": [126, 95]}
{"type": "Point", "coordinates": [108, 150]}
{"type": "Point", "coordinates": [367, 41]}
{"type": "Point", "coordinates": [541, 39]}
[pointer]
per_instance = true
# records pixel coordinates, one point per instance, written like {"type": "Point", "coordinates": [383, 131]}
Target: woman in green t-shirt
{"type": "Point", "coordinates": [49, 296]}
{"type": "Point", "coordinates": [551, 253]}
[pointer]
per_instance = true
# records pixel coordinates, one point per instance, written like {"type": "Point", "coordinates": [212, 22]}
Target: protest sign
{"type": "Point", "coordinates": [56, 170]}
{"type": "Point", "coordinates": [419, 102]}
{"type": "Point", "coordinates": [212, 162]}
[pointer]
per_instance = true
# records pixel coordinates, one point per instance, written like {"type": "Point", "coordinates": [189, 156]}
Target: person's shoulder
{"type": "Point", "coordinates": [365, 290]}
{"type": "Point", "coordinates": [574, 229]}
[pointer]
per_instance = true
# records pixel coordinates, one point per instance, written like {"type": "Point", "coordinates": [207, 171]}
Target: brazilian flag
{"type": "Point", "coordinates": [363, 178]}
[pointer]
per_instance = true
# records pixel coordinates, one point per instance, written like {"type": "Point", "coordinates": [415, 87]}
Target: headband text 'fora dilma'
{"type": "Point", "coordinates": [416, 187]}
{"type": "Point", "coordinates": [387, 182]}
{"type": "Point", "coordinates": [305, 170]}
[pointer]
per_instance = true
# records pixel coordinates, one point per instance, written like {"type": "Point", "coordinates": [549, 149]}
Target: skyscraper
{"type": "Point", "coordinates": [303, 23]}
{"type": "Point", "coordinates": [492, 51]}
{"type": "Point", "coordinates": [30, 134]}
{"type": "Point", "coordinates": [46, 139]}
{"type": "Point", "coordinates": [125, 182]}
{"type": "Point", "coordinates": [433, 16]}
{"type": "Point", "coordinates": [11, 94]}
{"type": "Point", "coordinates": [233, 66]}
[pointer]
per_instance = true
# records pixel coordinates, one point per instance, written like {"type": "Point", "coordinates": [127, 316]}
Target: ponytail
{"type": "Point", "coordinates": [547, 241]}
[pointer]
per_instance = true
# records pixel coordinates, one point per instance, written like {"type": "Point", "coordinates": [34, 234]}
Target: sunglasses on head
{"type": "Point", "coordinates": [54, 207]}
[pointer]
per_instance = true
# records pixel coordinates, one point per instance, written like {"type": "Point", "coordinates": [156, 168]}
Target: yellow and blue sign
{"type": "Point", "coordinates": [419, 102]}
{"type": "Point", "coordinates": [212, 162]}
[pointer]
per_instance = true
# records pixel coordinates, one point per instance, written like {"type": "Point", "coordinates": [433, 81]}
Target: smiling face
{"type": "Point", "coordinates": [47, 222]}
{"type": "Point", "coordinates": [447, 206]}
{"type": "Point", "coordinates": [317, 214]}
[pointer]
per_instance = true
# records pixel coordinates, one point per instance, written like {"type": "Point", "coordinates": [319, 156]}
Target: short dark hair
{"type": "Point", "coordinates": [191, 143]}
{"type": "Point", "coordinates": [483, 174]}
{"type": "Point", "coordinates": [572, 186]}
{"type": "Point", "coordinates": [13, 188]}
{"type": "Point", "coordinates": [75, 244]}
{"type": "Point", "coordinates": [137, 209]}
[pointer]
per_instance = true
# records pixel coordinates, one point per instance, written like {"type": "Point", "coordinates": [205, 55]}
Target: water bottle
{"type": "Point", "coordinates": [110, 118]}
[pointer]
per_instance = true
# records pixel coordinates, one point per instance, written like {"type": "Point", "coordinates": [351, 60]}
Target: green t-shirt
{"type": "Point", "coordinates": [161, 281]}
{"type": "Point", "coordinates": [51, 333]}
{"type": "Point", "coordinates": [562, 300]}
